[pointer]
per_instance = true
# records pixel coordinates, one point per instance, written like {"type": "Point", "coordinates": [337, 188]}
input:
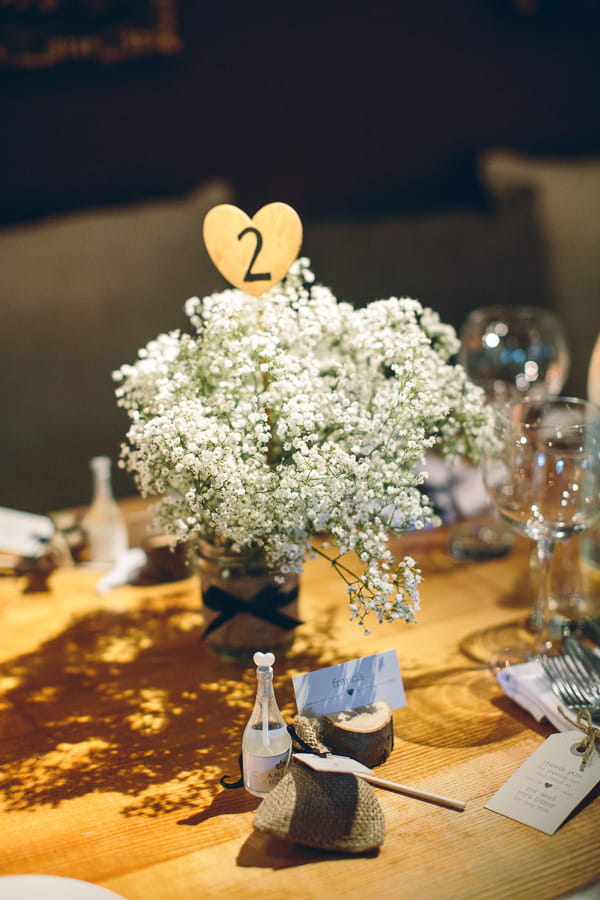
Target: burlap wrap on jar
{"type": "Point", "coordinates": [247, 606]}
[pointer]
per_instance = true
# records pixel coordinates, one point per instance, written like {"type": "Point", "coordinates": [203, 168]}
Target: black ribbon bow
{"type": "Point", "coordinates": [264, 605]}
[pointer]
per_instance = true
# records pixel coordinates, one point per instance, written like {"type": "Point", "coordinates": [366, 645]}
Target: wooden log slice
{"type": "Point", "coordinates": [365, 733]}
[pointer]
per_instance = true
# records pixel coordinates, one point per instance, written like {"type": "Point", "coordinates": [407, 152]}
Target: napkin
{"type": "Point", "coordinates": [25, 534]}
{"type": "Point", "coordinates": [468, 490]}
{"type": "Point", "coordinates": [127, 567]}
{"type": "Point", "coordinates": [528, 685]}
{"type": "Point", "coordinates": [456, 490]}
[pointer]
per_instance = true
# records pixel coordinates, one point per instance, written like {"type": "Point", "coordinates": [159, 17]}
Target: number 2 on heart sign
{"type": "Point", "coordinates": [250, 275]}
{"type": "Point", "coordinates": [253, 254]}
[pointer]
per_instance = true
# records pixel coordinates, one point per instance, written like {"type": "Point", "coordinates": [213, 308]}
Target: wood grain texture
{"type": "Point", "coordinates": [116, 725]}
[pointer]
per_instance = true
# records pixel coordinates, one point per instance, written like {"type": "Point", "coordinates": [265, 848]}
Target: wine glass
{"type": "Point", "coordinates": [544, 480]}
{"type": "Point", "coordinates": [514, 350]}
{"type": "Point", "coordinates": [511, 352]}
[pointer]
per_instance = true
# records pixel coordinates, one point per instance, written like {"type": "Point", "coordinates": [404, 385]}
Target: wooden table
{"type": "Point", "coordinates": [117, 724]}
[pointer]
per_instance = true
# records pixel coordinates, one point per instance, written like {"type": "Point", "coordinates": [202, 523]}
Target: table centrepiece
{"type": "Point", "coordinates": [286, 414]}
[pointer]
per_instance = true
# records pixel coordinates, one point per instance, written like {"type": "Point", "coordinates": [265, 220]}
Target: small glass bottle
{"type": "Point", "coordinates": [103, 523]}
{"type": "Point", "coordinates": [266, 743]}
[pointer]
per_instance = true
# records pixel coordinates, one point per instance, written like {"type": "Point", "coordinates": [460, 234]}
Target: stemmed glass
{"type": "Point", "coordinates": [545, 483]}
{"type": "Point", "coordinates": [511, 352]}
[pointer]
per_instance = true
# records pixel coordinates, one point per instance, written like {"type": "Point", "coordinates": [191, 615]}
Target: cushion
{"type": "Point", "coordinates": [567, 193]}
{"type": "Point", "coordinates": [81, 293]}
{"type": "Point", "coordinates": [451, 260]}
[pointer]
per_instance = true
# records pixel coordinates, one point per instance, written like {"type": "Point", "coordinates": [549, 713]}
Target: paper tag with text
{"type": "Point", "coordinates": [349, 685]}
{"type": "Point", "coordinates": [550, 784]}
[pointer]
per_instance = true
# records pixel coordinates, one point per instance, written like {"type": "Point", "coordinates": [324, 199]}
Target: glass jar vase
{"type": "Point", "coordinates": [247, 606]}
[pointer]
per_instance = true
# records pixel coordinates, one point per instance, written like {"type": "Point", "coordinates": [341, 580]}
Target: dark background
{"type": "Point", "coordinates": [335, 107]}
{"type": "Point", "coordinates": [368, 118]}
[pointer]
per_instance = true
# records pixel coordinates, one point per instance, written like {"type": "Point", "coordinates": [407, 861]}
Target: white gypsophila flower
{"type": "Point", "coordinates": [294, 413]}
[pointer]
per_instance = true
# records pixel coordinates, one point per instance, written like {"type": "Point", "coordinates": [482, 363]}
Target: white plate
{"type": "Point", "coordinates": [51, 887]}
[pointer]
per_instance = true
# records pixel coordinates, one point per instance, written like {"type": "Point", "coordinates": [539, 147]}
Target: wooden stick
{"type": "Point", "coordinates": [412, 792]}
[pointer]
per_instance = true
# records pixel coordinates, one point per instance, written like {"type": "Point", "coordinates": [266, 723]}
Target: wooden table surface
{"type": "Point", "coordinates": [116, 725]}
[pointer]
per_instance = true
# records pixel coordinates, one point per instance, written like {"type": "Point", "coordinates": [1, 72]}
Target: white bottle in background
{"type": "Point", "coordinates": [103, 523]}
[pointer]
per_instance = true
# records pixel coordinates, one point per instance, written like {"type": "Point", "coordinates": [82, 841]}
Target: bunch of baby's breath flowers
{"type": "Point", "coordinates": [293, 414]}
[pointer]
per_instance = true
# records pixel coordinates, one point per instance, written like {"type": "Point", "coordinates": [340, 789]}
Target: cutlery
{"type": "Point", "coordinates": [583, 657]}
{"type": "Point", "coordinates": [575, 687]}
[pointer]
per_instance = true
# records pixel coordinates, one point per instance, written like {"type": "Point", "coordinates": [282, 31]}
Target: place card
{"type": "Point", "coordinates": [25, 534]}
{"type": "Point", "coordinates": [550, 784]}
{"type": "Point", "coordinates": [369, 679]}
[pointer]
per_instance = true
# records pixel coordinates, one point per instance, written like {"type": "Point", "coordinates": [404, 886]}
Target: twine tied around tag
{"type": "Point", "coordinates": [592, 734]}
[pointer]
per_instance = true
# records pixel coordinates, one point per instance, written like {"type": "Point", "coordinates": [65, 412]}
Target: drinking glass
{"type": "Point", "coordinates": [544, 481]}
{"type": "Point", "coordinates": [511, 352]}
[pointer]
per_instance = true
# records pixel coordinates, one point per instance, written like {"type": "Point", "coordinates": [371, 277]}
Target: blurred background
{"type": "Point", "coordinates": [448, 151]}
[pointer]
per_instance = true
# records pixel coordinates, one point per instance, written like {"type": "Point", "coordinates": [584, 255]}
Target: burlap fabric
{"type": "Point", "coordinates": [310, 731]}
{"type": "Point", "coordinates": [326, 810]}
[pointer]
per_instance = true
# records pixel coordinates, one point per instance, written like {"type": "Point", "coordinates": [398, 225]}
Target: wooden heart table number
{"type": "Point", "coordinates": [253, 254]}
